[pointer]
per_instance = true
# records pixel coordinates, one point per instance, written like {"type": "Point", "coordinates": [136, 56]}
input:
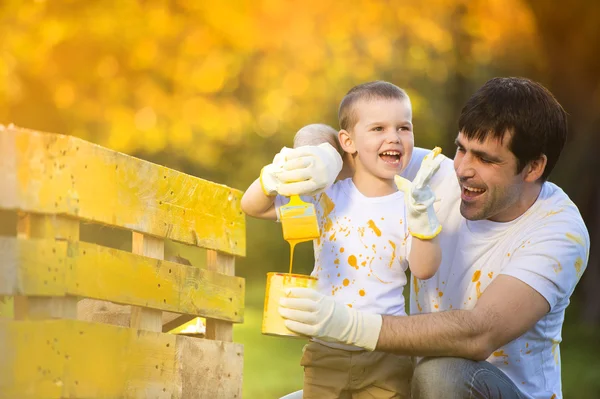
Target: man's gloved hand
{"type": "Point", "coordinates": [419, 198]}
{"type": "Point", "coordinates": [309, 170]}
{"type": "Point", "coordinates": [269, 180]}
{"type": "Point", "coordinates": [311, 313]}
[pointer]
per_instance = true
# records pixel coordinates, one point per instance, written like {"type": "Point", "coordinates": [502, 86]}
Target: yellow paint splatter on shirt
{"type": "Point", "coordinates": [440, 294]}
{"type": "Point", "coordinates": [491, 274]}
{"type": "Point", "coordinates": [393, 244]}
{"type": "Point", "coordinates": [557, 267]}
{"type": "Point", "coordinates": [553, 212]}
{"type": "Point", "coordinates": [374, 227]}
{"type": "Point", "coordinates": [416, 285]}
{"type": "Point", "coordinates": [555, 350]}
{"type": "Point", "coordinates": [476, 276]}
{"type": "Point", "coordinates": [326, 204]}
{"type": "Point", "coordinates": [500, 354]}
{"type": "Point", "coordinates": [336, 261]}
{"type": "Point", "coordinates": [346, 282]}
{"type": "Point", "coordinates": [575, 238]}
{"type": "Point", "coordinates": [362, 293]}
{"type": "Point", "coordinates": [342, 249]}
{"type": "Point", "coordinates": [478, 289]}
{"type": "Point", "coordinates": [578, 264]}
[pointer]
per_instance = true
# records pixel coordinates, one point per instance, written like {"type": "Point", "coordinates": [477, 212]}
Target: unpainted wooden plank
{"type": "Point", "coordinates": [57, 267]}
{"type": "Point", "coordinates": [57, 174]}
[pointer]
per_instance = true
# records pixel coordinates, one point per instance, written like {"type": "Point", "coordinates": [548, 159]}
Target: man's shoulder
{"type": "Point", "coordinates": [556, 216]}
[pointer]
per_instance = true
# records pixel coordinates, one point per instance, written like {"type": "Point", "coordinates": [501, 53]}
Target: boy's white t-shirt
{"type": "Point", "coordinates": [360, 258]}
{"type": "Point", "coordinates": [547, 248]}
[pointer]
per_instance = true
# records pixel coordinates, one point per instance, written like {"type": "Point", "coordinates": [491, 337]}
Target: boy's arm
{"type": "Point", "coordinates": [425, 253]}
{"type": "Point", "coordinates": [425, 257]}
{"type": "Point", "coordinates": [257, 204]}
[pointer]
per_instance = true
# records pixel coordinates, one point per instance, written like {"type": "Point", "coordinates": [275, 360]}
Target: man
{"type": "Point", "coordinates": [514, 246]}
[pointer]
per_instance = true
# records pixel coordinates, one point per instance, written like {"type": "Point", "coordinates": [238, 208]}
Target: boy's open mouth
{"type": "Point", "coordinates": [391, 157]}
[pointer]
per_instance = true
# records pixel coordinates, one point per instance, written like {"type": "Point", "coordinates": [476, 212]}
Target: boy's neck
{"type": "Point", "coordinates": [371, 186]}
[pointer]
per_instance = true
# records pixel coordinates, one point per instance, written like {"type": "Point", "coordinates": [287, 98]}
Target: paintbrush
{"type": "Point", "coordinates": [298, 220]}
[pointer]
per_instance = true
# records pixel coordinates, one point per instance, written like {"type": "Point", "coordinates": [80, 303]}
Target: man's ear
{"type": "Point", "coordinates": [346, 142]}
{"type": "Point", "coordinates": [535, 169]}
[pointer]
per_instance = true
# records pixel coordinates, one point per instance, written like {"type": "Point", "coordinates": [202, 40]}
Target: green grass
{"type": "Point", "coordinates": [271, 364]}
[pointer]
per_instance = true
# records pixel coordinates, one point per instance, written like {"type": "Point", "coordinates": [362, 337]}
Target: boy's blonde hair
{"type": "Point", "coordinates": [378, 89]}
{"type": "Point", "coordinates": [315, 134]}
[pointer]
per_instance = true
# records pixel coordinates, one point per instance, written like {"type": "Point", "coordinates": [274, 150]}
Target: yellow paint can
{"type": "Point", "coordinates": [273, 323]}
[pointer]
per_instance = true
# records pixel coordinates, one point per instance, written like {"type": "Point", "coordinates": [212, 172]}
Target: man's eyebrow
{"type": "Point", "coordinates": [479, 153]}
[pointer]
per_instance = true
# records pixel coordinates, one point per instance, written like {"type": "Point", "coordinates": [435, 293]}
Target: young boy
{"type": "Point", "coordinates": [365, 223]}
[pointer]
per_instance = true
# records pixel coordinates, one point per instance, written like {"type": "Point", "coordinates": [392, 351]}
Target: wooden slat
{"type": "Point", "coordinates": [146, 318]}
{"type": "Point", "coordinates": [64, 358]}
{"type": "Point", "coordinates": [220, 263]}
{"type": "Point", "coordinates": [56, 267]}
{"type": "Point", "coordinates": [58, 174]}
{"type": "Point", "coordinates": [40, 307]}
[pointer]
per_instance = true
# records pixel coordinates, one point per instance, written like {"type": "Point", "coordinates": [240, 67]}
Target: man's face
{"type": "Point", "coordinates": [382, 137]}
{"type": "Point", "coordinates": [486, 172]}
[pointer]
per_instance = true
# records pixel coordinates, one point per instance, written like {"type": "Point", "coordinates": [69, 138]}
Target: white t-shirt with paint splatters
{"type": "Point", "coordinates": [360, 258]}
{"type": "Point", "coordinates": [547, 248]}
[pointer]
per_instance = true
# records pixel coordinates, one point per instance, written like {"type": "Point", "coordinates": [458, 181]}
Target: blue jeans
{"type": "Point", "coordinates": [457, 378]}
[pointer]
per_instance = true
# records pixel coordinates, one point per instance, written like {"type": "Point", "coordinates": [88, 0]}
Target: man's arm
{"type": "Point", "coordinates": [496, 319]}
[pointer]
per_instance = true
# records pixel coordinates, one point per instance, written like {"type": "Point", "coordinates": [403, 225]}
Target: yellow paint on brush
{"type": "Point", "coordinates": [299, 220]}
{"type": "Point", "coordinates": [299, 223]}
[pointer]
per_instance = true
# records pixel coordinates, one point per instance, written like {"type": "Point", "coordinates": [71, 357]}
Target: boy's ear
{"type": "Point", "coordinates": [346, 142]}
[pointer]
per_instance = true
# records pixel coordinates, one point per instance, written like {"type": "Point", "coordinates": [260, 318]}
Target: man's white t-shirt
{"type": "Point", "coordinates": [547, 248]}
{"type": "Point", "coordinates": [361, 256]}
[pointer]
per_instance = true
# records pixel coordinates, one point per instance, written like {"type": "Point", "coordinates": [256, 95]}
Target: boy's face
{"type": "Point", "coordinates": [382, 138]}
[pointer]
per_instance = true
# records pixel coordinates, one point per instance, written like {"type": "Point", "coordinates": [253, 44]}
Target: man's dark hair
{"type": "Point", "coordinates": [379, 90]}
{"type": "Point", "coordinates": [526, 109]}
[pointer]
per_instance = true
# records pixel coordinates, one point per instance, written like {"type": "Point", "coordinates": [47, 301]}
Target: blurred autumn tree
{"type": "Point", "coordinates": [215, 89]}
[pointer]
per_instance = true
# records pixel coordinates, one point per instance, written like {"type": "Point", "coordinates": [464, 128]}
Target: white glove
{"type": "Point", "coordinates": [311, 313]}
{"type": "Point", "coordinates": [419, 198]}
{"type": "Point", "coordinates": [268, 175]}
{"type": "Point", "coordinates": [309, 170]}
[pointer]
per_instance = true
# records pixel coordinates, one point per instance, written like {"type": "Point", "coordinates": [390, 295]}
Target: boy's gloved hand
{"type": "Point", "coordinates": [269, 180]}
{"type": "Point", "coordinates": [316, 315]}
{"type": "Point", "coordinates": [309, 169]}
{"type": "Point", "coordinates": [419, 198]}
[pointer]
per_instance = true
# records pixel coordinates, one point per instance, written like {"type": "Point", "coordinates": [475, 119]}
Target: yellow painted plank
{"type": "Point", "coordinates": [75, 359]}
{"type": "Point", "coordinates": [58, 174]}
{"type": "Point", "coordinates": [221, 263]}
{"type": "Point", "coordinates": [57, 267]}
{"type": "Point", "coordinates": [146, 318]}
{"type": "Point", "coordinates": [49, 227]}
